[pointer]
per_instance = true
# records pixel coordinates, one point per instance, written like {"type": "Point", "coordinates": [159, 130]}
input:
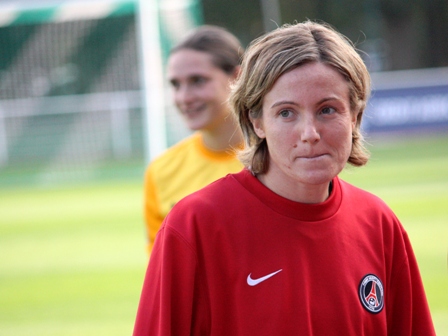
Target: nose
{"type": "Point", "coordinates": [183, 95]}
{"type": "Point", "coordinates": [310, 132]}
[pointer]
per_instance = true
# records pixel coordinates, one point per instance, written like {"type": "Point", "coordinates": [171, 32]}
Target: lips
{"type": "Point", "coordinates": [193, 110]}
{"type": "Point", "coordinates": [312, 156]}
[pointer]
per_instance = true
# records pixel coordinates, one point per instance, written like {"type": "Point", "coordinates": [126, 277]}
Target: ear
{"type": "Point", "coordinates": [258, 126]}
{"type": "Point", "coordinates": [354, 118]}
{"type": "Point", "coordinates": [236, 72]}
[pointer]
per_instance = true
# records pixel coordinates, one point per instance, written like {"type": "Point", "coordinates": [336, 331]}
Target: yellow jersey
{"type": "Point", "coordinates": [182, 169]}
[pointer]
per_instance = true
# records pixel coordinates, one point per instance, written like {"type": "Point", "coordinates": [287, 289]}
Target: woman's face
{"type": "Point", "coordinates": [308, 125]}
{"type": "Point", "coordinates": [200, 89]}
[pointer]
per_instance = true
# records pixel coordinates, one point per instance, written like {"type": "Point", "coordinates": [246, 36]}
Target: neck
{"type": "Point", "coordinates": [310, 194]}
{"type": "Point", "coordinates": [226, 136]}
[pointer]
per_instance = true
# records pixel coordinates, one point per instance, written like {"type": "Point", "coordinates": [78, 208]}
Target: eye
{"type": "Point", "coordinates": [328, 110]}
{"type": "Point", "coordinates": [198, 80]}
{"type": "Point", "coordinates": [285, 113]}
{"type": "Point", "coordinates": [174, 84]}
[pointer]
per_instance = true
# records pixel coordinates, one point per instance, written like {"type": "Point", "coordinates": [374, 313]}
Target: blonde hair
{"type": "Point", "coordinates": [282, 50]}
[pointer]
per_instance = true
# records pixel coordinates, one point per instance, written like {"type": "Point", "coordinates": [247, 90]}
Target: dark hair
{"type": "Point", "coordinates": [280, 51]}
{"type": "Point", "coordinates": [224, 47]}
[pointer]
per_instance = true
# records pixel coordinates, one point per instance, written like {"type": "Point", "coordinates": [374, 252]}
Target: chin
{"type": "Point", "coordinates": [193, 127]}
{"type": "Point", "coordinates": [194, 123]}
{"type": "Point", "coordinates": [316, 178]}
{"type": "Point", "coordinates": [196, 126]}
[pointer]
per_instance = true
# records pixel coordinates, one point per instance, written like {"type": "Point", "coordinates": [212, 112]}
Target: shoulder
{"type": "Point", "coordinates": [373, 221]}
{"type": "Point", "coordinates": [212, 197]}
{"type": "Point", "coordinates": [198, 217]}
{"type": "Point", "coordinates": [175, 152]}
{"type": "Point", "coordinates": [173, 159]}
{"type": "Point", "coordinates": [207, 205]}
{"type": "Point", "coordinates": [369, 210]}
{"type": "Point", "coordinates": [362, 198]}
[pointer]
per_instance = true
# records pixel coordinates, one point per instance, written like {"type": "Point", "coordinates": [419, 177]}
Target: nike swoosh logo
{"type": "Point", "coordinates": [254, 282]}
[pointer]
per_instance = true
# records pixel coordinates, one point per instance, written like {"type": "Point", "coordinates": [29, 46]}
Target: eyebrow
{"type": "Point", "coordinates": [284, 102]}
{"type": "Point", "coordinates": [189, 77]}
{"type": "Point", "coordinates": [289, 102]}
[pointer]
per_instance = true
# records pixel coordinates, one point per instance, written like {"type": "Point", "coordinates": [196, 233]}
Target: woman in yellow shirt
{"type": "Point", "coordinates": [200, 70]}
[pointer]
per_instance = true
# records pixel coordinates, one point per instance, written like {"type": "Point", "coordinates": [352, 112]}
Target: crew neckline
{"type": "Point", "coordinates": [219, 155]}
{"type": "Point", "coordinates": [300, 211]}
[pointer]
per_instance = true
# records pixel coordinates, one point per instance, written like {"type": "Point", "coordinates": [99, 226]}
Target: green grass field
{"type": "Point", "coordinates": [73, 258]}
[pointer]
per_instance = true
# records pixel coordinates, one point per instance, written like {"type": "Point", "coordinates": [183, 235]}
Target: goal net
{"type": "Point", "coordinates": [70, 87]}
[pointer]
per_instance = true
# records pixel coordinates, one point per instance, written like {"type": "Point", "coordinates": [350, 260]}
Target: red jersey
{"type": "Point", "coordinates": [237, 259]}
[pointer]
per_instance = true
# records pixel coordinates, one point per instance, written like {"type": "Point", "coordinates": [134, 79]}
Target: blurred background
{"type": "Point", "coordinates": [84, 106]}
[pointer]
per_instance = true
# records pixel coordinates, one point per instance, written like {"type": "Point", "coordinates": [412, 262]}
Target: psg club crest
{"type": "Point", "coordinates": [371, 293]}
